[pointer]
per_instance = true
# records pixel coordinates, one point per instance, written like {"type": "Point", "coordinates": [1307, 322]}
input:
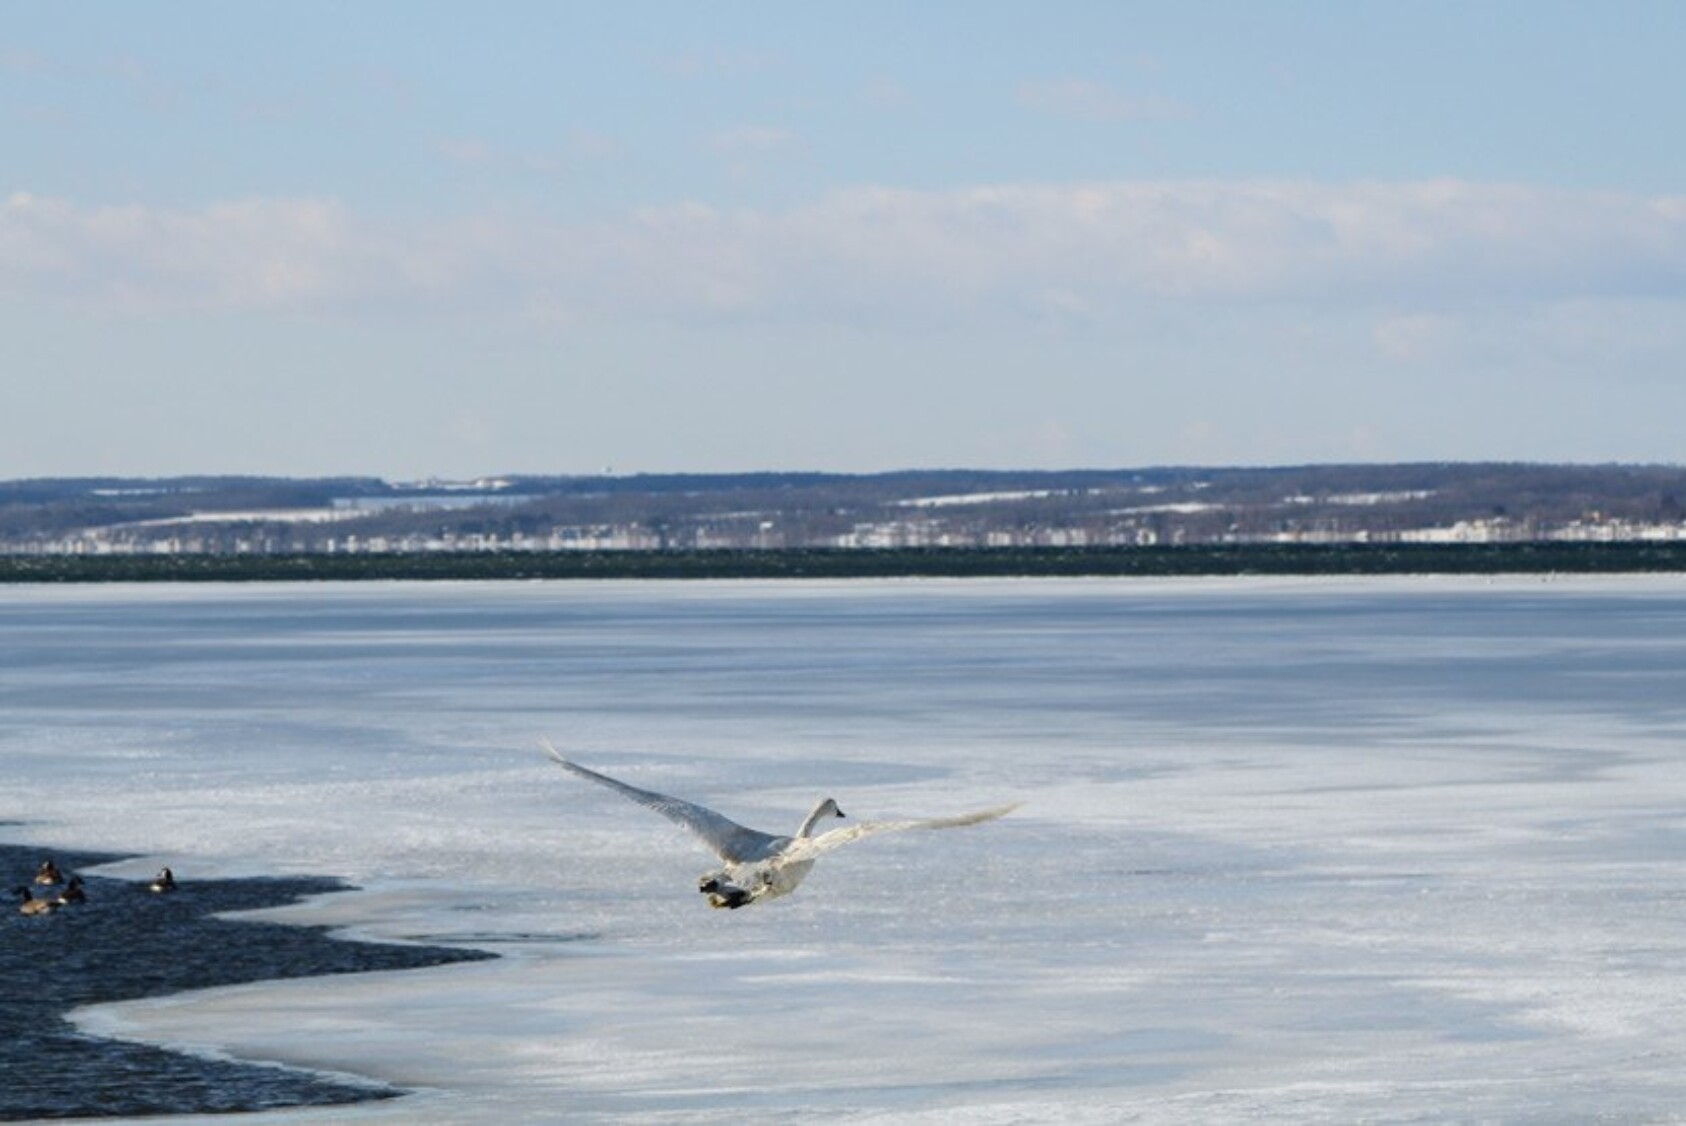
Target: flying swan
{"type": "Point", "coordinates": [760, 865]}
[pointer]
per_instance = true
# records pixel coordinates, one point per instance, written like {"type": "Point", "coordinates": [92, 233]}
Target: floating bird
{"type": "Point", "coordinates": [48, 874]}
{"type": "Point", "coordinates": [760, 865]}
{"type": "Point", "coordinates": [29, 905]}
{"type": "Point", "coordinates": [72, 893]}
{"type": "Point", "coordinates": [165, 881]}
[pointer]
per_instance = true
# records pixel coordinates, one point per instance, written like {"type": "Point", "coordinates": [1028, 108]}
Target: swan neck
{"type": "Point", "coordinates": [820, 810]}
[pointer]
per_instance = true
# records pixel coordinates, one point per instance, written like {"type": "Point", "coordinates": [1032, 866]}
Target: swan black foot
{"type": "Point", "coordinates": [722, 894]}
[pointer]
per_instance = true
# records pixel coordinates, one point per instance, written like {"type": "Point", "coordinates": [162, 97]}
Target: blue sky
{"type": "Point", "coordinates": [408, 239]}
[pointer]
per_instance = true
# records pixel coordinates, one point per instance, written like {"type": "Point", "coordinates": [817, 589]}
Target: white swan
{"type": "Point", "coordinates": [760, 865]}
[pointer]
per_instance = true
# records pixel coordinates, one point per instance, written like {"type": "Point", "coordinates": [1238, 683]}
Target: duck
{"type": "Point", "coordinates": [164, 881]}
{"type": "Point", "coordinates": [48, 874]}
{"type": "Point", "coordinates": [762, 866]}
{"type": "Point", "coordinates": [29, 905]}
{"type": "Point", "coordinates": [72, 893]}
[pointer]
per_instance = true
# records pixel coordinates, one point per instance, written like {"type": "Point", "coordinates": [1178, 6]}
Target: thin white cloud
{"type": "Point", "coordinates": [21, 61]}
{"type": "Point", "coordinates": [1066, 251]}
{"type": "Point", "coordinates": [146, 84]}
{"type": "Point", "coordinates": [578, 147]}
{"type": "Point", "coordinates": [748, 140]}
{"type": "Point", "coordinates": [251, 254]}
{"type": "Point", "coordinates": [1096, 101]}
{"type": "Point", "coordinates": [884, 92]}
{"type": "Point", "coordinates": [594, 146]}
{"type": "Point", "coordinates": [1414, 336]}
{"type": "Point", "coordinates": [718, 64]}
{"type": "Point", "coordinates": [470, 151]}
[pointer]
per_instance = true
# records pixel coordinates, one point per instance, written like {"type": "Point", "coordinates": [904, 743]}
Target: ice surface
{"type": "Point", "coordinates": [1387, 850]}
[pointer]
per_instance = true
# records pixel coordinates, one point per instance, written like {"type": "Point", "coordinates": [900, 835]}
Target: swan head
{"type": "Point", "coordinates": [826, 808]}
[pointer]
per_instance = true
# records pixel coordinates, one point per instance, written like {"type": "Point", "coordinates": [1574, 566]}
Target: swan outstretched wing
{"type": "Point", "coordinates": [730, 841]}
{"type": "Point", "coordinates": [809, 847]}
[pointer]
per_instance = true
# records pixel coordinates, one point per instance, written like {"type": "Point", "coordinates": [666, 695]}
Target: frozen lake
{"type": "Point", "coordinates": [1292, 850]}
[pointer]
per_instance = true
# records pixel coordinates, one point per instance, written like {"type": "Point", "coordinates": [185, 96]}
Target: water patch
{"type": "Point", "coordinates": [126, 942]}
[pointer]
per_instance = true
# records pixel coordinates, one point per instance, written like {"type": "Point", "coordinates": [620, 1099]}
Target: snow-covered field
{"type": "Point", "coordinates": [1292, 850]}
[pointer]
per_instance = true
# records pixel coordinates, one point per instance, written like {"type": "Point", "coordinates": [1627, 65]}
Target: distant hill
{"type": "Point", "coordinates": [1431, 503]}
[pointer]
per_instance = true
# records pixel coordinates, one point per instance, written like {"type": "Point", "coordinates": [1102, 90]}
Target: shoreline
{"type": "Point", "coordinates": [126, 943]}
{"type": "Point", "coordinates": [1191, 560]}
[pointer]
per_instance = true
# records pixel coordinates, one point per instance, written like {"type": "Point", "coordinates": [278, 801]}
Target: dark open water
{"type": "Point", "coordinates": [126, 942]}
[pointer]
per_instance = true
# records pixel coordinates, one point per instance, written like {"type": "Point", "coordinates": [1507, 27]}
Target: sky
{"type": "Point", "coordinates": [411, 239]}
